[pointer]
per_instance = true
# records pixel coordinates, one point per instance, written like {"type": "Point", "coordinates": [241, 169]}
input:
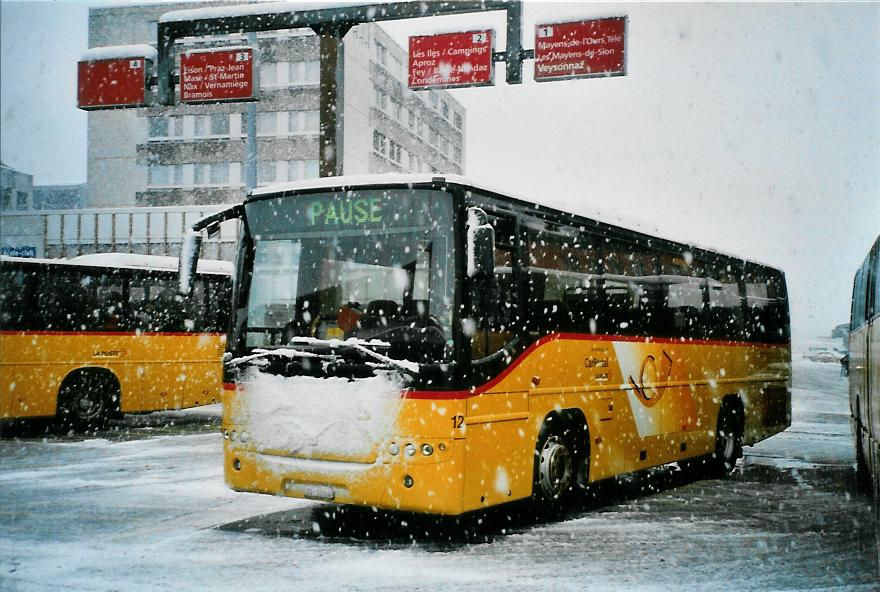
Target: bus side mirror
{"type": "Point", "coordinates": [189, 260]}
{"type": "Point", "coordinates": [480, 245]}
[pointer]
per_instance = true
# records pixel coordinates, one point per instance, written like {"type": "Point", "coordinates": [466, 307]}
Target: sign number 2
{"type": "Point", "coordinates": [457, 421]}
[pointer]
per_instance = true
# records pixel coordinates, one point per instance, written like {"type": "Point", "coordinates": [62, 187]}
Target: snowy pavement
{"type": "Point", "coordinates": [152, 513]}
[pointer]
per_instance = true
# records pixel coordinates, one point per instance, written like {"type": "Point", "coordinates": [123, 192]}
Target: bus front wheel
{"type": "Point", "coordinates": [85, 401]}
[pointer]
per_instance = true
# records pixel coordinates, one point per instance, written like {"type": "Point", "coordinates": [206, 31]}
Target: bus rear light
{"type": "Point", "coordinates": [236, 464]}
{"type": "Point", "coordinates": [225, 434]}
{"type": "Point", "coordinates": [233, 436]}
{"type": "Point", "coordinates": [408, 481]}
{"type": "Point", "coordinates": [394, 449]}
{"type": "Point", "coordinates": [427, 449]}
{"type": "Point", "coordinates": [410, 450]}
{"type": "Point", "coordinates": [243, 438]}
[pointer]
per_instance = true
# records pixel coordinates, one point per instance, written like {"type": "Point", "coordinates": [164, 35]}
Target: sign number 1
{"type": "Point", "coordinates": [545, 31]}
{"type": "Point", "coordinates": [457, 421]}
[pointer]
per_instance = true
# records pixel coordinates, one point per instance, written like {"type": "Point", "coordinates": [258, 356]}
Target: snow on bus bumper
{"type": "Point", "coordinates": [431, 484]}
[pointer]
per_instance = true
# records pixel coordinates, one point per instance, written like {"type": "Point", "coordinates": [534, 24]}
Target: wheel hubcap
{"type": "Point", "coordinates": [555, 467]}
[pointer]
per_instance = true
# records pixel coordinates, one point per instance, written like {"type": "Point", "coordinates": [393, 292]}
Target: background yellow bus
{"type": "Point", "coordinates": [864, 368]}
{"type": "Point", "coordinates": [92, 337]}
{"type": "Point", "coordinates": [428, 344]}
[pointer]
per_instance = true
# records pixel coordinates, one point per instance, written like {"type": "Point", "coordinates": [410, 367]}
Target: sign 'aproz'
{"type": "Point", "coordinates": [582, 49]}
{"type": "Point", "coordinates": [225, 74]}
{"type": "Point", "coordinates": [451, 60]}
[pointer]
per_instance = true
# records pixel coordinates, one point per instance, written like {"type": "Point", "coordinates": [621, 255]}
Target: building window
{"type": "Point", "coordinates": [165, 175]}
{"type": "Point", "coordinates": [444, 110]}
{"type": "Point", "coordinates": [304, 73]}
{"type": "Point", "coordinates": [433, 99]}
{"type": "Point", "coordinates": [394, 151]}
{"type": "Point", "coordinates": [177, 126]}
{"type": "Point", "coordinates": [379, 142]}
{"type": "Point", "coordinates": [158, 127]}
{"type": "Point", "coordinates": [267, 123]}
{"type": "Point", "coordinates": [411, 118]}
{"type": "Point", "coordinates": [268, 74]}
{"type": "Point", "coordinates": [219, 173]}
{"type": "Point", "coordinates": [381, 54]}
{"type": "Point", "coordinates": [304, 122]}
{"type": "Point", "coordinates": [220, 124]}
{"type": "Point", "coordinates": [6, 203]}
{"type": "Point", "coordinates": [395, 66]}
{"type": "Point", "coordinates": [200, 126]}
{"type": "Point", "coordinates": [267, 172]}
{"type": "Point", "coordinates": [211, 174]}
{"type": "Point", "coordinates": [432, 136]}
{"type": "Point", "coordinates": [397, 110]}
{"type": "Point", "coordinates": [381, 99]}
{"type": "Point", "coordinates": [456, 119]}
{"type": "Point", "coordinates": [298, 170]}
{"type": "Point", "coordinates": [21, 202]}
{"type": "Point", "coordinates": [456, 154]}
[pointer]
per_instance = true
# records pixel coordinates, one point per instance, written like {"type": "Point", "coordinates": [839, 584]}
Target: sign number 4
{"type": "Point", "coordinates": [479, 38]}
{"type": "Point", "coordinates": [134, 64]}
{"type": "Point", "coordinates": [545, 32]}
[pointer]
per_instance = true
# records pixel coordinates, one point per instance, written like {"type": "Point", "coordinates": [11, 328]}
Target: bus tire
{"type": "Point", "coordinates": [728, 438]}
{"type": "Point", "coordinates": [87, 399]}
{"type": "Point", "coordinates": [558, 460]}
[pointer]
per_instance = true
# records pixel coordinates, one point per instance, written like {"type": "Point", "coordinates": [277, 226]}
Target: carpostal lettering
{"type": "Point", "coordinates": [346, 211]}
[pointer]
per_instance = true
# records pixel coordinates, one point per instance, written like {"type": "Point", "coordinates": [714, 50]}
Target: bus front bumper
{"type": "Point", "coordinates": [433, 487]}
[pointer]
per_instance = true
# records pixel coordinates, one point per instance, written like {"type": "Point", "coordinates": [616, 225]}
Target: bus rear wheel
{"type": "Point", "coordinates": [728, 441]}
{"type": "Point", "coordinates": [85, 401]}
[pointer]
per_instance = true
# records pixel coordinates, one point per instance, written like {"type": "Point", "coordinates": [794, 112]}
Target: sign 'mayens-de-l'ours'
{"type": "Point", "coordinates": [582, 49]}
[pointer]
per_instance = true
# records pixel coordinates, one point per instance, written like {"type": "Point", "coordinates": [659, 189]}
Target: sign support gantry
{"type": "Point", "coordinates": [331, 25]}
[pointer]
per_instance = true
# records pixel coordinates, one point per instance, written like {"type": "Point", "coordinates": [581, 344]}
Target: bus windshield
{"type": "Point", "coordinates": [375, 266]}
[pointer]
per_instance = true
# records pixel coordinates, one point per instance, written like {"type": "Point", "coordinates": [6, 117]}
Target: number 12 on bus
{"type": "Point", "coordinates": [426, 344]}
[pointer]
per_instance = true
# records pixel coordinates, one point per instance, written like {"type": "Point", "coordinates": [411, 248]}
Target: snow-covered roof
{"type": "Point", "coordinates": [131, 261]}
{"type": "Point", "coordinates": [234, 10]}
{"type": "Point", "coordinates": [585, 209]}
{"type": "Point", "coordinates": [603, 215]}
{"type": "Point", "coordinates": [113, 52]}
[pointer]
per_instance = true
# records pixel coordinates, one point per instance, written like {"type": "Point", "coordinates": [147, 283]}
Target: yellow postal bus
{"type": "Point", "coordinates": [428, 344]}
{"type": "Point", "coordinates": [86, 338]}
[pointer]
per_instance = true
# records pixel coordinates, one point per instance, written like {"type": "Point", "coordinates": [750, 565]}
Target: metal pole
{"type": "Point", "coordinates": [330, 154]}
{"type": "Point", "coordinates": [250, 157]}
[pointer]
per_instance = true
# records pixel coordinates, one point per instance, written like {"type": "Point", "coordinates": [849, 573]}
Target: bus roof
{"type": "Point", "coordinates": [605, 216]}
{"type": "Point", "coordinates": [130, 261]}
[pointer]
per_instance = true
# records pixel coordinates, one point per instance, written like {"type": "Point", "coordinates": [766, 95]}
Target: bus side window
{"type": "Point", "coordinates": [66, 301]}
{"type": "Point", "coordinates": [725, 313]}
{"type": "Point", "coordinates": [683, 300]}
{"type": "Point", "coordinates": [631, 293]}
{"type": "Point", "coordinates": [110, 309]}
{"type": "Point", "coordinates": [15, 300]}
{"type": "Point", "coordinates": [766, 308]}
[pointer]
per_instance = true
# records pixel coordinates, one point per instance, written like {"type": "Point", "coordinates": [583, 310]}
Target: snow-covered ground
{"type": "Point", "coordinates": [154, 514]}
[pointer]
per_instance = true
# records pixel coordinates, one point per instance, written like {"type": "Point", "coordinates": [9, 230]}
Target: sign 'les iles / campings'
{"type": "Point", "coordinates": [582, 49]}
{"type": "Point", "coordinates": [451, 60]}
{"type": "Point", "coordinates": [225, 74]}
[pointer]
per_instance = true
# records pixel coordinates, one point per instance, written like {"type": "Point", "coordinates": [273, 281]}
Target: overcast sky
{"type": "Point", "coordinates": [751, 128]}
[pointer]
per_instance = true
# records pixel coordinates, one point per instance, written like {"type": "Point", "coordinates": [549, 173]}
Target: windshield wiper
{"type": "Point", "coordinates": [307, 344]}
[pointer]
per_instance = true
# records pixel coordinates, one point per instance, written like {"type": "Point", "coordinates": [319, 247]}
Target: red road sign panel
{"type": "Point", "coordinates": [226, 74]}
{"type": "Point", "coordinates": [117, 82]}
{"type": "Point", "coordinates": [451, 60]}
{"type": "Point", "coordinates": [583, 49]}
